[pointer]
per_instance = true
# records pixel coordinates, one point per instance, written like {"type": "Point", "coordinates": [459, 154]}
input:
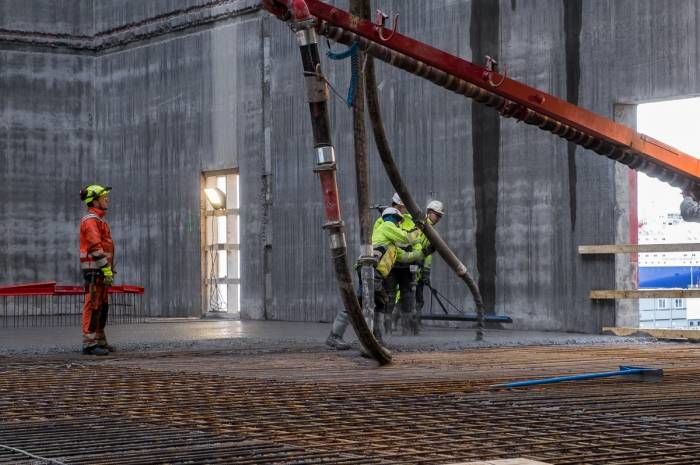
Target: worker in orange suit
{"type": "Point", "coordinates": [96, 261]}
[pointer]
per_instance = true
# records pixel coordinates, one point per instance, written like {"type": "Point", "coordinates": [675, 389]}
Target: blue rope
{"type": "Point", "coordinates": [352, 53]}
{"type": "Point", "coordinates": [345, 54]}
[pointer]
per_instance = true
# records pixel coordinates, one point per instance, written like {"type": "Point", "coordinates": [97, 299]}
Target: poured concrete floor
{"type": "Point", "coordinates": [192, 334]}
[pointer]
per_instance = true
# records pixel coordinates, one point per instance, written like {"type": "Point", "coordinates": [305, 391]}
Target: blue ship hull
{"type": "Point", "coordinates": [668, 276]}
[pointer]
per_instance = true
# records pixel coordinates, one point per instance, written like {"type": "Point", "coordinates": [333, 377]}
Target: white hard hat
{"type": "Point", "coordinates": [396, 199]}
{"type": "Point", "coordinates": [436, 206]}
{"type": "Point", "coordinates": [390, 211]}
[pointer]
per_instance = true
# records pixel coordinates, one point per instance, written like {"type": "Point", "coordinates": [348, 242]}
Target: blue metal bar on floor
{"type": "Point", "coordinates": [641, 372]}
{"type": "Point", "coordinates": [468, 317]}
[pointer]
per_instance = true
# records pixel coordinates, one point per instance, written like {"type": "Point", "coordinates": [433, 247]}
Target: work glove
{"type": "Point", "coordinates": [428, 250]}
{"type": "Point", "coordinates": [425, 276]}
{"type": "Point", "coordinates": [108, 275]}
{"type": "Point", "coordinates": [413, 257]}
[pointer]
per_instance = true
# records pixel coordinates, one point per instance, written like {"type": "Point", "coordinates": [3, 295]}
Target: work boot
{"type": "Point", "coordinates": [395, 318]}
{"type": "Point", "coordinates": [95, 350]}
{"type": "Point", "coordinates": [386, 323]}
{"type": "Point", "coordinates": [336, 342]}
{"type": "Point", "coordinates": [415, 324]}
{"type": "Point", "coordinates": [377, 327]}
{"type": "Point", "coordinates": [102, 342]}
{"type": "Point", "coordinates": [406, 325]}
{"type": "Point", "coordinates": [108, 347]}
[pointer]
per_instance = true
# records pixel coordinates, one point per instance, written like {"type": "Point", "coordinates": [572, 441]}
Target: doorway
{"type": "Point", "coordinates": [221, 242]}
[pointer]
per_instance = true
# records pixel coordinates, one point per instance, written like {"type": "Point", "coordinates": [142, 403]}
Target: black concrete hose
{"type": "Point", "coordinates": [361, 8]}
{"type": "Point", "coordinates": [394, 175]}
{"type": "Point", "coordinates": [317, 94]}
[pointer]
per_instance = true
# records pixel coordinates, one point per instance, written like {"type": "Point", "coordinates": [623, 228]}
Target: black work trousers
{"type": "Point", "coordinates": [400, 279]}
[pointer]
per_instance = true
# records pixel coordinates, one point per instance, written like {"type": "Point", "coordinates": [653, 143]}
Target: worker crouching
{"type": "Point", "coordinates": [395, 249]}
{"type": "Point", "coordinates": [96, 262]}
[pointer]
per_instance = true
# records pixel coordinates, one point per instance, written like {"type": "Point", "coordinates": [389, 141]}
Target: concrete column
{"type": "Point", "coordinates": [626, 265]}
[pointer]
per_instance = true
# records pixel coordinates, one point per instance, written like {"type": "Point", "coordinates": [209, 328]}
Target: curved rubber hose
{"type": "Point", "coordinates": [317, 95]}
{"type": "Point", "coordinates": [392, 172]}
{"type": "Point", "coordinates": [361, 8]}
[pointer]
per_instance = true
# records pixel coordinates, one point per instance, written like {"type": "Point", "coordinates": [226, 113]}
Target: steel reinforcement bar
{"type": "Point", "coordinates": [48, 304]}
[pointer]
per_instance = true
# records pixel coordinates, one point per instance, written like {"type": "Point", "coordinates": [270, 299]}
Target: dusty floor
{"type": "Point", "coordinates": [265, 393]}
{"type": "Point", "coordinates": [185, 334]}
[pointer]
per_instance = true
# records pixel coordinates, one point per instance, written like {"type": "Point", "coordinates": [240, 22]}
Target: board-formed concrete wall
{"type": "Point", "coordinates": [145, 96]}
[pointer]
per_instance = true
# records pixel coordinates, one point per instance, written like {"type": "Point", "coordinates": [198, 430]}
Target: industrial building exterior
{"type": "Point", "coordinates": [162, 98]}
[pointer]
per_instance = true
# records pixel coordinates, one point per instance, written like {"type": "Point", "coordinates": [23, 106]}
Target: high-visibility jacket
{"type": "Point", "coordinates": [96, 245]}
{"type": "Point", "coordinates": [406, 224]}
{"type": "Point", "coordinates": [392, 245]}
{"type": "Point", "coordinates": [424, 242]}
{"type": "Point", "coordinates": [409, 226]}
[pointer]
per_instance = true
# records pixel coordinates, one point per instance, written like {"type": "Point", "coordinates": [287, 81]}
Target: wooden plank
{"type": "Point", "coordinates": [659, 333]}
{"type": "Point", "coordinates": [637, 248]}
{"type": "Point", "coordinates": [644, 294]}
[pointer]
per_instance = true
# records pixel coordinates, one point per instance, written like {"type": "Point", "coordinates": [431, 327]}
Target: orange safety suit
{"type": "Point", "coordinates": [96, 252]}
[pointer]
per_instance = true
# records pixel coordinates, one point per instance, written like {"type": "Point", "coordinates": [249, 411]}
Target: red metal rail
{"type": "Point", "coordinates": [51, 288]}
{"type": "Point", "coordinates": [519, 96]}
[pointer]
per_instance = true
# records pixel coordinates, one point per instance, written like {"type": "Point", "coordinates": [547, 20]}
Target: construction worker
{"type": "Point", "coordinates": [341, 321]}
{"type": "Point", "coordinates": [406, 223]}
{"type": "Point", "coordinates": [96, 260]}
{"type": "Point", "coordinates": [394, 247]}
{"type": "Point", "coordinates": [434, 212]}
{"type": "Point", "coordinates": [690, 207]}
{"type": "Point", "coordinates": [401, 283]}
{"type": "Point", "coordinates": [389, 242]}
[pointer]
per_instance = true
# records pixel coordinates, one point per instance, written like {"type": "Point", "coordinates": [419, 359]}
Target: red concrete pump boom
{"type": "Point", "coordinates": [510, 97]}
{"type": "Point", "coordinates": [309, 18]}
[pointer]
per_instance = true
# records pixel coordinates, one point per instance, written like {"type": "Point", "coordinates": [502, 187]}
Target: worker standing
{"type": "Point", "coordinates": [96, 262]}
{"type": "Point", "coordinates": [434, 212]}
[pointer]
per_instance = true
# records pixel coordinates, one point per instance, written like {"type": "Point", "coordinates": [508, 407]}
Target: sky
{"type": "Point", "coordinates": [676, 123]}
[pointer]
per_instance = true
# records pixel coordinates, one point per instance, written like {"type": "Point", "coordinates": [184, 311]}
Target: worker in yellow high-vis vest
{"type": "Point", "coordinates": [434, 212]}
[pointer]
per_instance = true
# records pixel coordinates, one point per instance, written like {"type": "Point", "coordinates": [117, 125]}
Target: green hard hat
{"type": "Point", "coordinates": [93, 191]}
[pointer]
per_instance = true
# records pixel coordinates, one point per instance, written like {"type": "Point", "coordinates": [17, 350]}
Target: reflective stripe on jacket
{"type": "Point", "coordinates": [390, 240]}
{"type": "Point", "coordinates": [424, 243]}
{"type": "Point", "coordinates": [96, 245]}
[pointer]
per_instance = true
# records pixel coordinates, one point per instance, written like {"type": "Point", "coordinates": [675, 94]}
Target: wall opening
{"type": "Point", "coordinates": [673, 122]}
{"type": "Point", "coordinates": [221, 242]}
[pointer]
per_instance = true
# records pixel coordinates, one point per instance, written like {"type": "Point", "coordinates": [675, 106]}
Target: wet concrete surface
{"type": "Point", "coordinates": [162, 335]}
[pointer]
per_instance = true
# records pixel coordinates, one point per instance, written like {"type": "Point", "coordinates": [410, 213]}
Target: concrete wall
{"type": "Point", "coordinates": [168, 112]}
{"type": "Point", "coordinates": [183, 86]}
{"type": "Point", "coordinates": [47, 133]}
{"type": "Point", "coordinates": [66, 17]}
